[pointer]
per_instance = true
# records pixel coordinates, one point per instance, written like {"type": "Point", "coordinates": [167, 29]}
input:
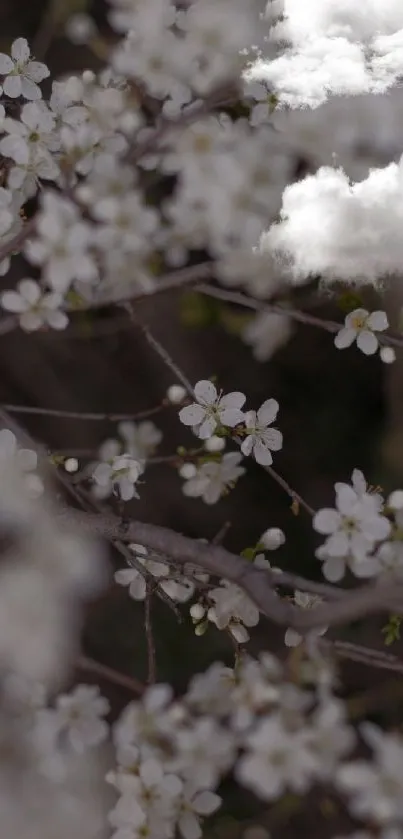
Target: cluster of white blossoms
{"type": "Point", "coordinates": [363, 532]}
{"type": "Point", "coordinates": [153, 569]}
{"type": "Point", "coordinates": [172, 754]}
{"type": "Point", "coordinates": [172, 150]}
{"type": "Point", "coordinates": [122, 460]}
{"type": "Point", "coordinates": [214, 412]}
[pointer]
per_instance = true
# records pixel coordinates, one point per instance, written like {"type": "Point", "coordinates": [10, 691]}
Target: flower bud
{"type": "Point", "coordinates": [272, 538]}
{"type": "Point", "coordinates": [215, 444]}
{"type": "Point", "coordinates": [187, 471]}
{"type": "Point", "coordinates": [197, 611]}
{"type": "Point", "coordinates": [176, 394]}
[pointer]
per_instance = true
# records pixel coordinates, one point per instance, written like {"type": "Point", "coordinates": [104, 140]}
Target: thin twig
{"type": "Point", "coordinates": [151, 670]}
{"type": "Point", "coordinates": [82, 415]}
{"type": "Point", "coordinates": [161, 351]}
{"type": "Point", "coordinates": [365, 655]}
{"type": "Point", "coordinates": [295, 496]}
{"type": "Point", "coordinates": [88, 665]}
{"type": "Point", "coordinates": [171, 364]}
{"type": "Point", "coordinates": [244, 300]}
{"type": "Point", "coordinates": [221, 534]}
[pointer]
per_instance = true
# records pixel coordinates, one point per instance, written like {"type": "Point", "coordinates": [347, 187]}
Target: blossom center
{"type": "Point", "coordinates": [359, 322]}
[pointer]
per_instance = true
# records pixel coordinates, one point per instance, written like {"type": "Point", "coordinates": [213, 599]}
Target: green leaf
{"type": "Point", "coordinates": [198, 311]}
{"type": "Point", "coordinates": [234, 322]}
{"type": "Point", "coordinates": [349, 300]}
{"type": "Point", "coordinates": [392, 630]}
{"type": "Point", "coordinates": [249, 554]}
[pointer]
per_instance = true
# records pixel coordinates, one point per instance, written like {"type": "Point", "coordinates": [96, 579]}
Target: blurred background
{"type": "Point", "coordinates": [338, 411]}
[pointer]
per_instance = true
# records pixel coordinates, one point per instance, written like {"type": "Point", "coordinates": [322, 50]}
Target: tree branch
{"type": "Point", "coordinates": [257, 583]}
{"type": "Point", "coordinates": [240, 299]}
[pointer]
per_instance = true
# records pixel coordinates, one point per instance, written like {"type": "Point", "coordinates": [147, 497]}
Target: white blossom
{"type": "Point", "coordinates": [61, 245]}
{"type": "Point", "coordinates": [262, 440]}
{"type": "Point", "coordinates": [375, 789]}
{"type": "Point", "coordinates": [232, 607]}
{"type": "Point", "coordinates": [25, 460]}
{"type": "Point", "coordinates": [34, 131]}
{"type": "Point", "coordinates": [304, 601]}
{"type": "Point", "coordinates": [213, 479]}
{"type": "Point", "coordinates": [120, 476]}
{"type": "Point", "coordinates": [22, 74]}
{"type": "Point", "coordinates": [35, 308]}
{"type": "Point", "coordinates": [133, 578]}
{"type": "Point", "coordinates": [140, 439]}
{"type": "Point", "coordinates": [332, 737]}
{"type": "Point", "coordinates": [78, 717]}
{"type": "Point", "coordinates": [360, 326]}
{"type": "Point", "coordinates": [352, 531]}
{"type": "Point", "coordinates": [212, 409]}
{"type": "Point", "coordinates": [277, 759]}
{"type": "Point", "coordinates": [205, 752]}
{"type": "Point", "coordinates": [192, 805]}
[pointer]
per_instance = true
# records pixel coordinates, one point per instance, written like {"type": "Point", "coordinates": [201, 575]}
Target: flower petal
{"type": "Point", "coordinates": [189, 826]}
{"type": "Point", "coordinates": [20, 50]}
{"type": "Point", "coordinates": [192, 414]}
{"type": "Point", "coordinates": [378, 321]}
{"type": "Point", "coordinates": [102, 474]}
{"type": "Point", "coordinates": [57, 319]}
{"type": "Point", "coordinates": [12, 86]}
{"type": "Point", "coordinates": [326, 521]}
{"type": "Point", "coordinates": [125, 576]}
{"type": "Point", "coordinates": [205, 392]}
{"type": "Point", "coordinates": [267, 412]}
{"type": "Point", "coordinates": [31, 321]}
{"type": "Point", "coordinates": [273, 439]}
{"type": "Point", "coordinates": [231, 416]}
{"type": "Point", "coordinates": [367, 342]}
{"type": "Point", "coordinates": [29, 89]}
{"type": "Point", "coordinates": [345, 499]}
{"type": "Point", "coordinates": [262, 454]}
{"type": "Point", "coordinates": [126, 488]}
{"type": "Point", "coordinates": [206, 802]}
{"type": "Point", "coordinates": [345, 338]}
{"type": "Point", "coordinates": [207, 428]}
{"type": "Point", "coordinates": [292, 638]}
{"type": "Point", "coordinates": [247, 445]}
{"type": "Point", "coordinates": [236, 399]}
{"type": "Point", "coordinates": [27, 459]}
{"type": "Point", "coordinates": [37, 71]}
{"type": "Point", "coordinates": [333, 569]}
{"type": "Point", "coordinates": [6, 64]}
{"type": "Point", "coordinates": [30, 290]}
{"type": "Point", "coordinates": [13, 302]}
